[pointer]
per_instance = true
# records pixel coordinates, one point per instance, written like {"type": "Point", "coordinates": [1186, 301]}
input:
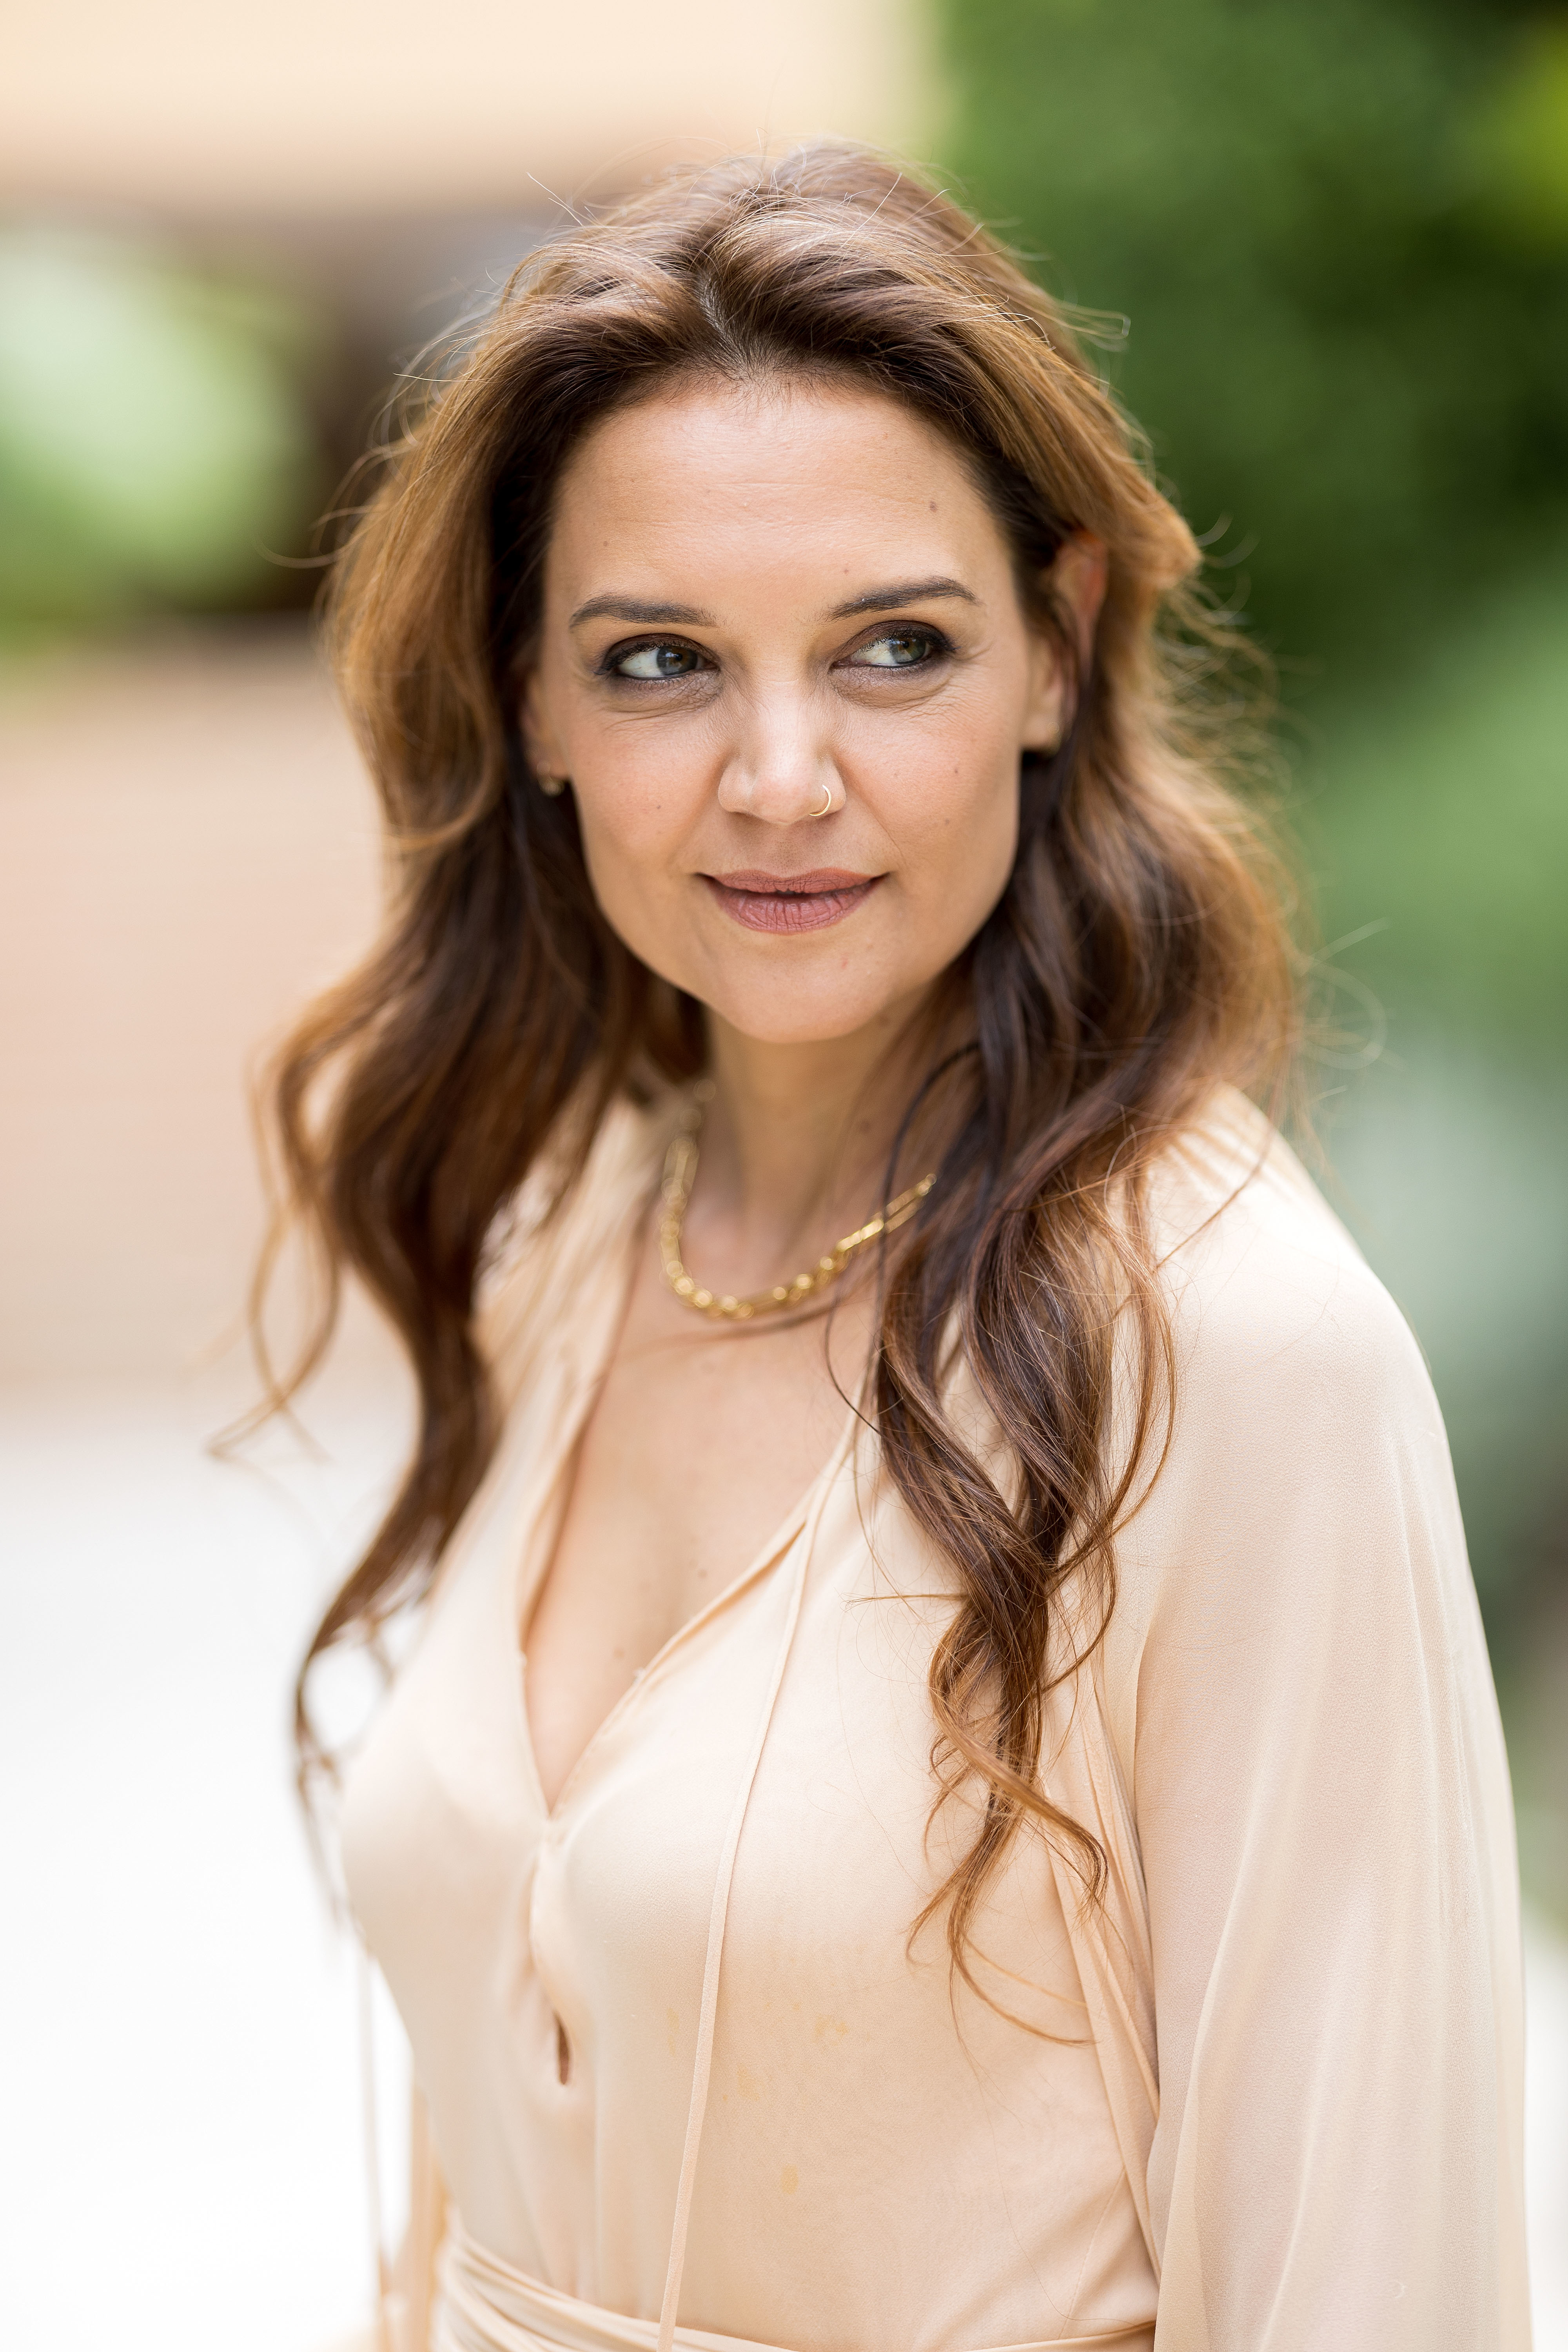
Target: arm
{"type": "Point", "coordinates": [413, 2273]}
{"type": "Point", "coordinates": [1322, 1799]}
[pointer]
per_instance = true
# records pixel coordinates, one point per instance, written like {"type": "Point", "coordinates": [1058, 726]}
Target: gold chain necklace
{"type": "Point", "coordinates": [680, 1175]}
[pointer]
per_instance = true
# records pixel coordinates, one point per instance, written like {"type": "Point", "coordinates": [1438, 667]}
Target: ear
{"type": "Point", "coordinates": [539, 736]}
{"type": "Point", "coordinates": [1077, 583]}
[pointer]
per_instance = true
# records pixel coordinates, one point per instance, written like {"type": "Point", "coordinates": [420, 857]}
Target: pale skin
{"type": "Point", "coordinates": [780, 638]}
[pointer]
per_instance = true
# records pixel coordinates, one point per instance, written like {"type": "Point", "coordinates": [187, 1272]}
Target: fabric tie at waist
{"type": "Point", "coordinates": [486, 2306]}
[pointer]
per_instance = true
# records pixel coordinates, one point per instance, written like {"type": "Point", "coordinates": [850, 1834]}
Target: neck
{"type": "Point", "coordinates": [797, 1136]}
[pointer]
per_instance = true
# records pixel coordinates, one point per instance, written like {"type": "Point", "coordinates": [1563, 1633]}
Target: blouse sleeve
{"type": "Point", "coordinates": [1316, 1769]}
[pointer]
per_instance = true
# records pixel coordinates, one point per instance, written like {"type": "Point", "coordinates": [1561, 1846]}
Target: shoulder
{"type": "Point", "coordinates": [1307, 1478]}
{"type": "Point", "coordinates": [1292, 1575]}
{"type": "Point", "coordinates": [1273, 1307]}
{"type": "Point", "coordinates": [1306, 1446]}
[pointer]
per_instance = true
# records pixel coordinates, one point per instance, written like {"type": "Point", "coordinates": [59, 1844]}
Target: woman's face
{"type": "Point", "coordinates": [783, 663]}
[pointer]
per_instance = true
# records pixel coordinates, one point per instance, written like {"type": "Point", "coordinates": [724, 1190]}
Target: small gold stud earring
{"type": "Point", "coordinates": [553, 786]}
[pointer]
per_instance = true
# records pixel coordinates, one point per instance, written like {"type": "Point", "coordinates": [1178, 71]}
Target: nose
{"type": "Point", "coordinates": [782, 768]}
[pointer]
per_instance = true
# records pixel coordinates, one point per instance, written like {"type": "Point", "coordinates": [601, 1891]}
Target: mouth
{"type": "Point", "coordinates": [790, 902]}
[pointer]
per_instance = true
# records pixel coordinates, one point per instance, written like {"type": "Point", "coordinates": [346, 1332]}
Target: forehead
{"type": "Point", "coordinates": [744, 475]}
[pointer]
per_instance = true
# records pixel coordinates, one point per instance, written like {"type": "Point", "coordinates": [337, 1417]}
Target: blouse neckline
{"type": "Point", "coordinates": [583, 1369]}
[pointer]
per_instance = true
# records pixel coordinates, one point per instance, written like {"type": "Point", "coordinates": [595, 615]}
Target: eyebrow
{"type": "Point", "coordinates": [629, 608]}
{"type": "Point", "coordinates": [902, 591]}
{"type": "Point", "coordinates": [886, 599]}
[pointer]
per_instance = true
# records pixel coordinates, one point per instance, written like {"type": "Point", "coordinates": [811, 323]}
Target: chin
{"type": "Point", "coordinates": [779, 1014]}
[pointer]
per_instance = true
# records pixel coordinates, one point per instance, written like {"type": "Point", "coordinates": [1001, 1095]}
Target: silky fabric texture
{"type": "Point", "coordinates": [486, 2306]}
{"type": "Point", "coordinates": [1272, 2096]}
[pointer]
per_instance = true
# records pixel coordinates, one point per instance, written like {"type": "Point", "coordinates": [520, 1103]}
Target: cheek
{"type": "Point", "coordinates": [624, 849]}
{"type": "Point", "coordinates": [948, 796]}
{"type": "Point", "coordinates": [636, 803]}
{"type": "Point", "coordinates": [634, 828]}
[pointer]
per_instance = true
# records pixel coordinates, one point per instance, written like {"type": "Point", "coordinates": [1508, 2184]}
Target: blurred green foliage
{"type": "Point", "coordinates": [1336, 236]}
{"type": "Point", "coordinates": [1329, 244]}
{"type": "Point", "coordinates": [1435, 819]}
{"type": "Point", "coordinates": [153, 441]}
{"type": "Point", "coordinates": [1520, 144]}
{"type": "Point", "coordinates": [1438, 809]}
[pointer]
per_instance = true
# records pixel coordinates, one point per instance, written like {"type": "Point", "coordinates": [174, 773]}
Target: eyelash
{"type": "Point", "coordinates": [939, 646]}
{"type": "Point", "coordinates": [610, 666]}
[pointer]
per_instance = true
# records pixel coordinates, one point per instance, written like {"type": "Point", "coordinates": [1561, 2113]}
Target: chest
{"type": "Point", "coordinates": [699, 1442]}
{"type": "Point", "coordinates": [550, 1966]}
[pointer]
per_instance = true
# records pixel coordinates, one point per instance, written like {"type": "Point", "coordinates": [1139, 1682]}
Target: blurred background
{"type": "Point", "coordinates": [1324, 255]}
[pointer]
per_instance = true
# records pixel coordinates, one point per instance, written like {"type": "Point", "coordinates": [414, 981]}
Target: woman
{"type": "Point", "coordinates": [948, 1793]}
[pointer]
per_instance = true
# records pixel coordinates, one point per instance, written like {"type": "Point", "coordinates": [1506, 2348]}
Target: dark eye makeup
{"type": "Point", "coordinates": [910, 645]}
{"type": "Point", "coordinates": [653, 661]}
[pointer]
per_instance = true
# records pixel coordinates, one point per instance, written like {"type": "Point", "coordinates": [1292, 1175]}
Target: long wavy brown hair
{"type": "Point", "coordinates": [1138, 956]}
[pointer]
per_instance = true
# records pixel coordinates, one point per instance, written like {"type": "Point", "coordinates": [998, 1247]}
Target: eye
{"type": "Point", "coordinates": [663, 658]}
{"type": "Point", "coordinates": [905, 649]}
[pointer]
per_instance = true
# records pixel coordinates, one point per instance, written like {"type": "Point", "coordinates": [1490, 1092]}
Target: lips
{"type": "Point", "coordinates": [759, 901]}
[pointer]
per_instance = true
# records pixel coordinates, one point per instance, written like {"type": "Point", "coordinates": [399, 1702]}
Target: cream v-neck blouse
{"type": "Point", "coordinates": [1265, 2098]}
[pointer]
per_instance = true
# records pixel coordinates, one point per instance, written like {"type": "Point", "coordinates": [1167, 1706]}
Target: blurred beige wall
{"type": "Point", "coordinates": [309, 106]}
{"type": "Point", "coordinates": [187, 847]}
